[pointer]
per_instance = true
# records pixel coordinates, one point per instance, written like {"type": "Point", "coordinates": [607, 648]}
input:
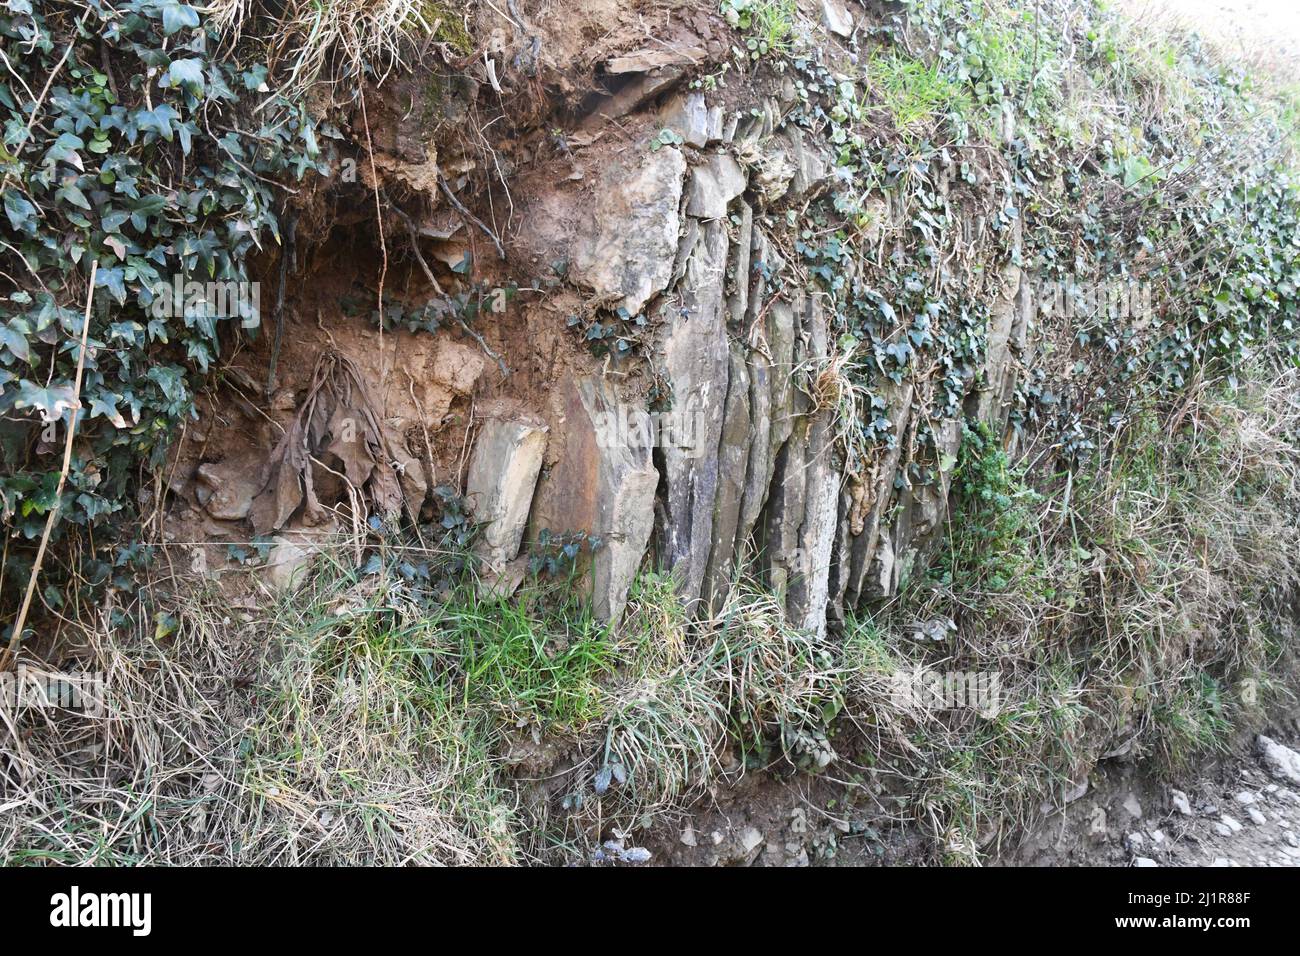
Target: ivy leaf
{"type": "Point", "coordinates": [178, 16]}
{"type": "Point", "coordinates": [114, 280]}
{"type": "Point", "coordinates": [112, 221]}
{"type": "Point", "coordinates": [186, 72]}
{"type": "Point", "coordinates": [50, 402]}
{"type": "Point", "coordinates": [158, 120]}
{"type": "Point", "coordinates": [104, 405]}
{"type": "Point", "coordinates": [64, 149]}
{"type": "Point", "coordinates": [21, 213]}
{"type": "Point", "coordinates": [15, 341]}
{"type": "Point", "coordinates": [72, 193]}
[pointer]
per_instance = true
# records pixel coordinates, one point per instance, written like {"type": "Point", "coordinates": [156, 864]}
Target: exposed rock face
{"type": "Point", "coordinates": [799, 528]}
{"type": "Point", "coordinates": [601, 485]}
{"type": "Point", "coordinates": [691, 118]}
{"type": "Point", "coordinates": [753, 476]}
{"type": "Point", "coordinates": [695, 358]}
{"type": "Point", "coordinates": [503, 472]}
{"type": "Point", "coordinates": [626, 249]}
{"type": "Point", "coordinates": [863, 505]}
{"type": "Point", "coordinates": [713, 186]}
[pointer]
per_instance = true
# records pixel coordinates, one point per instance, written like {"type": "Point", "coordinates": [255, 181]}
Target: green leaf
{"type": "Point", "coordinates": [186, 72]}
{"type": "Point", "coordinates": [15, 341]}
{"type": "Point", "coordinates": [72, 193]}
{"type": "Point", "coordinates": [21, 213]}
{"type": "Point", "coordinates": [112, 221]}
{"type": "Point", "coordinates": [178, 16]}
{"type": "Point", "coordinates": [50, 402]}
{"type": "Point", "coordinates": [104, 405]}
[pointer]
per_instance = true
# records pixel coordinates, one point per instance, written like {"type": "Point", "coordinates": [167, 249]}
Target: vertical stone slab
{"type": "Point", "coordinates": [602, 482]}
{"type": "Point", "coordinates": [503, 470]}
{"type": "Point", "coordinates": [695, 358]}
{"type": "Point", "coordinates": [733, 454]}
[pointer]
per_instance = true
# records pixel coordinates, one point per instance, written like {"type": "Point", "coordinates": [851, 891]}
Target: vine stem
{"type": "Point", "coordinates": [36, 108]}
{"type": "Point", "coordinates": [6, 659]}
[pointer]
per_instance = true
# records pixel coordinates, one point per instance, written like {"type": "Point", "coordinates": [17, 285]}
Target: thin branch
{"type": "Point", "coordinates": [8, 656]}
{"type": "Point", "coordinates": [460, 208]}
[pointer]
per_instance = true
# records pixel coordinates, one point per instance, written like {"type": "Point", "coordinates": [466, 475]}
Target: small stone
{"type": "Point", "coordinates": [1132, 807]}
{"type": "Point", "coordinates": [688, 837]}
{"type": "Point", "coordinates": [1135, 840]}
{"type": "Point", "coordinates": [1097, 824]}
{"type": "Point", "coordinates": [750, 839]}
{"type": "Point", "coordinates": [287, 563]}
{"type": "Point", "coordinates": [694, 120]}
{"type": "Point", "coordinates": [1144, 861]}
{"type": "Point", "coordinates": [1158, 836]}
{"type": "Point", "coordinates": [1223, 830]}
{"type": "Point", "coordinates": [1256, 817]}
{"type": "Point", "coordinates": [1282, 762]}
{"type": "Point", "coordinates": [1290, 838]}
{"type": "Point", "coordinates": [1245, 798]}
{"type": "Point", "coordinates": [837, 18]}
{"type": "Point", "coordinates": [1181, 803]}
{"type": "Point", "coordinates": [1233, 824]}
{"type": "Point", "coordinates": [1221, 861]}
{"type": "Point", "coordinates": [226, 489]}
{"type": "Point", "coordinates": [1075, 792]}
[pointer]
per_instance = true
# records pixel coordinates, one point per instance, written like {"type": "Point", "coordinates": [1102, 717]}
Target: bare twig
{"type": "Point", "coordinates": [460, 208]}
{"type": "Point", "coordinates": [7, 658]}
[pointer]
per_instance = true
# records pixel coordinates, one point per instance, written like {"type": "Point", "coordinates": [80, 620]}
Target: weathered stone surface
{"type": "Point", "coordinates": [291, 554]}
{"type": "Point", "coordinates": [603, 487]}
{"type": "Point", "coordinates": [503, 472]}
{"type": "Point", "coordinates": [651, 59]}
{"type": "Point", "coordinates": [1281, 761]}
{"type": "Point", "coordinates": [696, 358]}
{"type": "Point", "coordinates": [1008, 319]}
{"type": "Point", "coordinates": [798, 532]}
{"type": "Point", "coordinates": [627, 246]}
{"type": "Point", "coordinates": [921, 509]}
{"type": "Point", "coordinates": [863, 504]}
{"type": "Point", "coordinates": [738, 268]}
{"type": "Point", "coordinates": [809, 585]}
{"type": "Point", "coordinates": [812, 168]}
{"type": "Point", "coordinates": [713, 186]}
{"type": "Point", "coordinates": [836, 17]}
{"type": "Point", "coordinates": [226, 489]}
{"type": "Point", "coordinates": [771, 368]}
{"type": "Point", "coordinates": [690, 117]}
{"type": "Point", "coordinates": [733, 455]}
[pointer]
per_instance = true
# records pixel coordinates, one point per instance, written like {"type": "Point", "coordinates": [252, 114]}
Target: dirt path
{"type": "Point", "coordinates": [1242, 810]}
